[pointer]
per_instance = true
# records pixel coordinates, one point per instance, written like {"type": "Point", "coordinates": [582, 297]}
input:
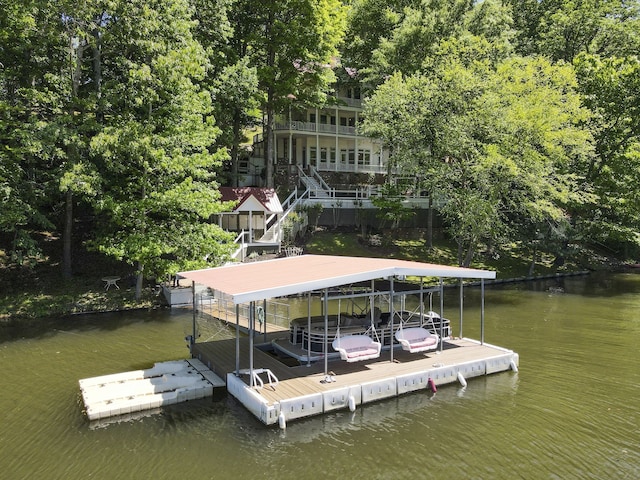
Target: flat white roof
{"type": "Point", "coordinates": [246, 282]}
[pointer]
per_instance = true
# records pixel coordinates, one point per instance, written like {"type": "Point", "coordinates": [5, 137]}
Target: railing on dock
{"type": "Point", "coordinates": [268, 314]}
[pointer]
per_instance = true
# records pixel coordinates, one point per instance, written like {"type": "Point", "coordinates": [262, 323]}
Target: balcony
{"type": "Point", "coordinates": [310, 127]}
{"type": "Point", "coordinates": [329, 166]}
{"type": "Point", "coordinates": [350, 102]}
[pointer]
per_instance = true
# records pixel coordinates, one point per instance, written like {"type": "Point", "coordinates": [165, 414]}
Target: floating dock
{"type": "Point", "coordinates": [166, 383]}
{"type": "Point", "coordinates": [300, 391]}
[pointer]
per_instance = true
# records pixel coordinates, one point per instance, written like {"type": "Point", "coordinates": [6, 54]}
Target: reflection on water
{"type": "Point", "coordinates": [571, 411]}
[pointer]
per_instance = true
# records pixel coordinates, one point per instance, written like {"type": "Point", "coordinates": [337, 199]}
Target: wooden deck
{"type": "Point", "coordinates": [303, 381]}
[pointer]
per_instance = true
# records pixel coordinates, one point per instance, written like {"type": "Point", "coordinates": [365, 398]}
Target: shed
{"type": "Point", "coordinates": [257, 210]}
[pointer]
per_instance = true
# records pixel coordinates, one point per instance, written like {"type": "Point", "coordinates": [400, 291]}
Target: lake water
{"type": "Point", "coordinates": [572, 411]}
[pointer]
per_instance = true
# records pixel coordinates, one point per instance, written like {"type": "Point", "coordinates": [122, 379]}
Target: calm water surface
{"type": "Point", "coordinates": [572, 412]}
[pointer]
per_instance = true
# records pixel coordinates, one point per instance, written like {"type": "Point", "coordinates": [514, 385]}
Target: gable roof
{"type": "Point", "coordinates": [245, 282]}
{"type": "Point", "coordinates": [266, 197]}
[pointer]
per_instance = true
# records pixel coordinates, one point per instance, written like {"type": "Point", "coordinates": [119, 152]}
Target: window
{"type": "Point", "coordinates": [353, 92]}
{"type": "Point", "coordinates": [332, 155]}
{"type": "Point", "coordinates": [364, 157]}
{"type": "Point", "coordinates": [312, 117]}
{"type": "Point", "coordinates": [323, 118]}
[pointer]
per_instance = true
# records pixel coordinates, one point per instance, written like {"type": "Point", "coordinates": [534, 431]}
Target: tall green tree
{"type": "Point", "coordinates": [562, 30]}
{"type": "Point", "coordinates": [611, 90]}
{"type": "Point", "coordinates": [291, 43]}
{"type": "Point", "coordinates": [369, 23]}
{"type": "Point", "coordinates": [224, 33]}
{"type": "Point", "coordinates": [155, 186]}
{"type": "Point", "coordinates": [402, 36]}
{"type": "Point", "coordinates": [34, 98]}
{"type": "Point", "coordinates": [498, 144]}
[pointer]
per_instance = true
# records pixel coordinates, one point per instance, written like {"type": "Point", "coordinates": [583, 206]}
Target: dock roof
{"type": "Point", "coordinates": [246, 282]}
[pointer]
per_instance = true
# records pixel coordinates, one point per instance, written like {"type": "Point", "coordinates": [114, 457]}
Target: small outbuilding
{"type": "Point", "coordinates": [256, 216]}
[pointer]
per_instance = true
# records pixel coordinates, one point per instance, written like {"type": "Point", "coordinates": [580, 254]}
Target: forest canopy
{"type": "Point", "coordinates": [524, 114]}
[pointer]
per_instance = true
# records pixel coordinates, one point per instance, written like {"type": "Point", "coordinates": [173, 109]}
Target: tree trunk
{"type": "Point", "coordinates": [532, 266]}
{"type": "Point", "coordinates": [268, 128]}
{"type": "Point", "coordinates": [268, 144]}
{"type": "Point", "coordinates": [430, 222]}
{"type": "Point", "coordinates": [66, 236]}
{"type": "Point", "coordinates": [234, 148]}
{"type": "Point", "coordinates": [76, 53]}
{"type": "Point", "coordinates": [97, 72]}
{"type": "Point", "coordinates": [469, 256]}
{"type": "Point", "coordinates": [139, 281]}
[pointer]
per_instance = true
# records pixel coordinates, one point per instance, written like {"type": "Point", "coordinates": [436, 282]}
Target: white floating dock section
{"type": "Point", "coordinates": [165, 383]}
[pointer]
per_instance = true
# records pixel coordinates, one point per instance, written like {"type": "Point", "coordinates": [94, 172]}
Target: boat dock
{"type": "Point", "coordinates": [377, 360]}
{"type": "Point", "coordinates": [164, 384]}
{"type": "Point", "coordinates": [300, 390]}
{"type": "Point", "coordinates": [275, 388]}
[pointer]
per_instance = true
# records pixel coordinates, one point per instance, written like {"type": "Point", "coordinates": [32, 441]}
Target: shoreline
{"type": "Point", "coordinates": [12, 321]}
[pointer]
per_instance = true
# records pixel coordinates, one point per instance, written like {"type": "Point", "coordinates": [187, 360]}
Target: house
{"type": "Point", "coordinates": [320, 151]}
{"type": "Point", "coordinates": [322, 139]}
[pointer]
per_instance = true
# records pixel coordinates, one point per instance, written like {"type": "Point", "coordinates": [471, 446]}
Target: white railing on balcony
{"type": "Point", "coordinates": [329, 166]}
{"type": "Point", "coordinates": [351, 102]}
{"type": "Point", "coordinates": [241, 251]}
{"type": "Point", "coordinates": [315, 128]}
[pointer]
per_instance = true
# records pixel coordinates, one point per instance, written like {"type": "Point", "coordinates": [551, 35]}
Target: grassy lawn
{"type": "Point", "coordinates": [508, 263]}
{"type": "Point", "coordinates": [41, 291]}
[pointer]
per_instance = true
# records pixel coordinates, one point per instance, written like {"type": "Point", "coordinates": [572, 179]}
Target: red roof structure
{"type": "Point", "coordinates": [266, 197]}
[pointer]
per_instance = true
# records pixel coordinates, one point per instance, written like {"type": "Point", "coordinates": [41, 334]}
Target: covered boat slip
{"type": "Point", "coordinates": [276, 393]}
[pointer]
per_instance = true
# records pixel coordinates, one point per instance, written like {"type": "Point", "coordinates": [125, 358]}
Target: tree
{"type": "Point", "coordinates": [499, 143]}
{"type": "Point", "coordinates": [402, 36]}
{"type": "Point", "coordinates": [34, 91]}
{"type": "Point", "coordinates": [223, 32]}
{"type": "Point", "coordinates": [562, 30]}
{"type": "Point", "coordinates": [611, 90]}
{"type": "Point", "coordinates": [154, 173]}
{"type": "Point", "coordinates": [369, 22]}
{"type": "Point", "coordinates": [291, 43]}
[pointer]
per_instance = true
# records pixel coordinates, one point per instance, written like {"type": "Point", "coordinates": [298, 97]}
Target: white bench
{"type": "Point", "coordinates": [354, 348]}
{"type": "Point", "coordinates": [416, 339]}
